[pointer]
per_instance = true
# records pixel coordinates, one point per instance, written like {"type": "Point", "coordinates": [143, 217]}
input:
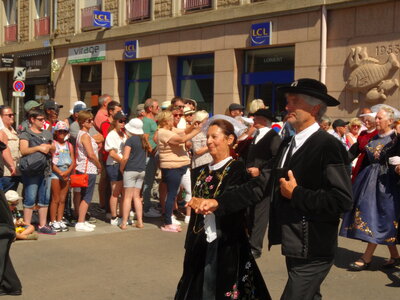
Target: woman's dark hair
{"type": "Point", "coordinates": [112, 105]}
{"type": "Point", "coordinates": [226, 127]}
{"type": "Point", "coordinates": [34, 113]}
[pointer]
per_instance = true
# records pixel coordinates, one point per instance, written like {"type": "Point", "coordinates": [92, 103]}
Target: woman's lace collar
{"type": "Point", "coordinates": [220, 164]}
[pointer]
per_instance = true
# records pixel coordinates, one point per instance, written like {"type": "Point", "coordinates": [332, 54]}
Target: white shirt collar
{"type": "Point", "coordinates": [220, 164]}
{"type": "Point", "coordinates": [263, 131]}
{"type": "Point", "coordinates": [303, 135]}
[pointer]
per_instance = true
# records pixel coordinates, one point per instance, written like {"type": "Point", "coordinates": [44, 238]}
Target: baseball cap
{"type": "Point", "coordinates": [80, 107]}
{"type": "Point", "coordinates": [61, 125]}
{"type": "Point", "coordinates": [235, 106]}
{"type": "Point", "coordinates": [31, 104]}
{"type": "Point", "coordinates": [49, 104]}
{"type": "Point", "coordinates": [71, 111]}
{"type": "Point", "coordinates": [119, 116]}
{"type": "Point", "coordinates": [339, 123]}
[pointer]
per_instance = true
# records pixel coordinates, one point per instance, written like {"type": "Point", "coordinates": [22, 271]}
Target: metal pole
{"type": "Point", "coordinates": [17, 111]}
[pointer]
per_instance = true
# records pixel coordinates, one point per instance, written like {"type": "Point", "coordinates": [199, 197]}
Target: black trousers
{"type": "Point", "coordinates": [305, 278]}
{"type": "Point", "coordinates": [9, 280]}
{"type": "Point", "coordinates": [258, 215]}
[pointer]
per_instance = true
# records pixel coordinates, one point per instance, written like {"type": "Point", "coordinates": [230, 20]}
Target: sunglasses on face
{"type": "Point", "coordinates": [121, 121]}
{"type": "Point", "coordinates": [9, 115]}
{"type": "Point", "coordinates": [40, 119]}
{"type": "Point", "coordinates": [178, 115]}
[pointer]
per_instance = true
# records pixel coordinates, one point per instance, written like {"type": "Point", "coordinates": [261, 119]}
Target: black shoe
{"type": "Point", "coordinates": [4, 292]}
{"type": "Point", "coordinates": [256, 254]}
{"type": "Point", "coordinates": [391, 263]}
{"type": "Point", "coordinates": [355, 267]}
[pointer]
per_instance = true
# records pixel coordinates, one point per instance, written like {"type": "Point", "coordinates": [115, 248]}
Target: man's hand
{"type": "Point", "coordinates": [287, 186]}
{"type": "Point", "coordinates": [253, 171]}
{"type": "Point", "coordinates": [203, 206]}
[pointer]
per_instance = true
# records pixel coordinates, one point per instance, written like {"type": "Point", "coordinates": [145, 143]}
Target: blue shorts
{"type": "Point", "coordinates": [87, 192]}
{"type": "Point", "coordinates": [36, 187]}
{"type": "Point", "coordinates": [56, 176]}
{"type": "Point", "coordinates": [113, 172]}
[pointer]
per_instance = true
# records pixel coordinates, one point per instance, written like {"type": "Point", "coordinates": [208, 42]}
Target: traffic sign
{"type": "Point", "coordinates": [19, 73]}
{"type": "Point", "coordinates": [18, 94]}
{"type": "Point", "coordinates": [19, 86]}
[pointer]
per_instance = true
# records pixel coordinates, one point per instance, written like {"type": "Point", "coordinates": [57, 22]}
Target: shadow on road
{"type": "Point", "coordinates": [345, 256]}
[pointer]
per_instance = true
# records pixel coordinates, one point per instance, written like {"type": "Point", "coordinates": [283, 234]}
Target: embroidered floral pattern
{"type": "Point", "coordinates": [359, 224]}
{"type": "Point", "coordinates": [234, 294]}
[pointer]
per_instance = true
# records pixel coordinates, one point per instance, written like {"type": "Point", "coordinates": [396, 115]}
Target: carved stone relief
{"type": "Point", "coordinates": [371, 77]}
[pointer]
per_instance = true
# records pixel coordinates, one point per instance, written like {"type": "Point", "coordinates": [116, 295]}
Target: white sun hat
{"type": "Point", "coordinates": [135, 126]}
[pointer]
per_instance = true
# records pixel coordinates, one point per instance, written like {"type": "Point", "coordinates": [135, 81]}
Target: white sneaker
{"type": "Point", "coordinates": [187, 219]}
{"type": "Point", "coordinates": [152, 213]}
{"type": "Point", "coordinates": [115, 222]}
{"type": "Point", "coordinates": [90, 225]}
{"type": "Point", "coordinates": [80, 226]}
{"type": "Point", "coordinates": [175, 221]}
{"type": "Point", "coordinates": [63, 226]}
{"type": "Point", "coordinates": [55, 226]}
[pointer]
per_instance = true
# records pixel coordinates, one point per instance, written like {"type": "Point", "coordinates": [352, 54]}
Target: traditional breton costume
{"type": "Point", "coordinates": [218, 262]}
{"type": "Point", "coordinates": [263, 148]}
{"type": "Point", "coordinates": [306, 225]}
{"type": "Point", "coordinates": [376, 211]}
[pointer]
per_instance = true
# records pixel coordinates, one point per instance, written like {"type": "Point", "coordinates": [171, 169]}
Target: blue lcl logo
{"type": "Point", "coordinates": [261, 34]}
{"type": "Point", "coordinates": [131, 49]}
{"type": "Point", "coordinates": [102, 19]}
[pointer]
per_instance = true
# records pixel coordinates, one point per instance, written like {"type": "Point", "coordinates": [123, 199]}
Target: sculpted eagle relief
{"type": "Point", "coordinates": [371, 77]}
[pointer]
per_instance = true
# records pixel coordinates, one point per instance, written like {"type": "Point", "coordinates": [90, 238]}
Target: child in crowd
{"type": "Point", "coordinates": [62, 165]}
{"type": "Point", "coordinates": [23, 231]}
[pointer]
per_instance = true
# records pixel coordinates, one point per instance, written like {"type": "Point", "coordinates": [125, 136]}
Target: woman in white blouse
{"type": "Point", "coordinates": [114, 144]}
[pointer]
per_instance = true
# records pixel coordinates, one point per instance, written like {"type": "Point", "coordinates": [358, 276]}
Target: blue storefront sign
{"type": "Point", "coordinates": [261, 34]}
{"type": "Point", "coordinates": [102, 19]}
{"type": "Point", "coordinates": [131, 49]}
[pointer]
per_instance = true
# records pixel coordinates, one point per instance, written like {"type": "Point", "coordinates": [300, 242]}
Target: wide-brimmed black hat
{"type": "Point", "coordinates": [311, 87]}
{"type": "Point", "coordinates": [266, 113]}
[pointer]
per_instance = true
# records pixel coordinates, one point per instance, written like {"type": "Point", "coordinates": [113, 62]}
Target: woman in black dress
{"type": "Point", "coordinates": [218, 262]}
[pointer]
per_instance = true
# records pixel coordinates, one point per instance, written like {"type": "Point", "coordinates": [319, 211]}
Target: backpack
{"type": "Point", "coordinates": [34, 163]}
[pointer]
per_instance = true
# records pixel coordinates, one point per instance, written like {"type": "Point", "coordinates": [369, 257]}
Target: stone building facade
{"type": "Point", "coordinates": [203, 49]}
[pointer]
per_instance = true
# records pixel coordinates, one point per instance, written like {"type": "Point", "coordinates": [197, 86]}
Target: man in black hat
{"type": "Point", "coordinates": [236, 110]}
{"type": "Point", "coordinates": [311, 189]}
{"type": "Point", "coordinates": [263, 148]}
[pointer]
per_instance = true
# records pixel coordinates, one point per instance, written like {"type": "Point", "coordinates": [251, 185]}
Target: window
{"type": "Point", "coordinates": [87, 13]}
{"type": "Point", "coordinates": [10, 28]}
{"type": "Point", "coordinates": [90, 84]}
{"type": "Point", "coordinates": [137, 9]}
{"type": "Point", "coordinates": [42, 20]}
{"type": "Point", "coordinates": [196, 79]}
{"type": "Point", "coordinates": [137, 83]}
{"type": "Point", "coordinates": [190, 5]}
{"type": "Point", "coordinates": [265, 70]}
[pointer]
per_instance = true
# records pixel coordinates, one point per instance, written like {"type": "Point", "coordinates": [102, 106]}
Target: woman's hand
{"type": "Point", "coordinates": [397, 169]}
{"type": "Point", "coordinates": [44, 148]}
{"type": "Point", "coordinates": [203, 206]}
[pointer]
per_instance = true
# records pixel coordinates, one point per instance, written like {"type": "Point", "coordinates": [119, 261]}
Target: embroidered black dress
{"type": "Point", "coordinates": [223, 268]}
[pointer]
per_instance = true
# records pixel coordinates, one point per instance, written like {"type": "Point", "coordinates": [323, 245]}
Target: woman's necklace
{"type": "Point", "coordinates": [202, 179]}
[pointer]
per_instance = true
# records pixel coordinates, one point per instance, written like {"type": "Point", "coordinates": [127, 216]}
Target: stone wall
{"type": "Point", "coordinates": [112, 6]}
{"type": "Point", "coordinates": [24, 21]}
{"type": "Point", "coordinates": [162, 8]}
{"type": "Point", "coordinates": [227, 3]}
{"type": "Point", "coordinates": [65, 17]}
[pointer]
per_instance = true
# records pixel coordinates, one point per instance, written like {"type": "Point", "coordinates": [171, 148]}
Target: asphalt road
{"type": "Point", "coordinates": [147, 263]}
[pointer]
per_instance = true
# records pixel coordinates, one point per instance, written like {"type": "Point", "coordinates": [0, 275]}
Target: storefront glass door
{"type": "Point", "coordinates": [265, 70]}
{"type": "Point", "coordinates": [137, 84]}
